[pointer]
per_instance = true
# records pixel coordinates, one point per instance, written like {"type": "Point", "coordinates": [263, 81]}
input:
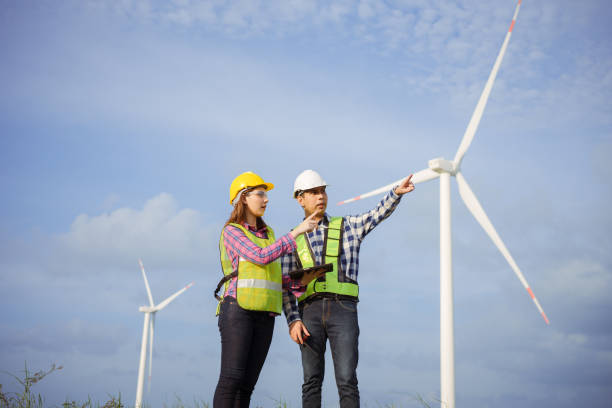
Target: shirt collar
{"type": "Point", "coordinates": [253, 229]}
{"type": "Point", "coordinates": [325, 219]}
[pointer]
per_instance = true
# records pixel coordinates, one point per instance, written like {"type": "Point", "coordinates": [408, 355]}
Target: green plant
{"type": "Point", "coordinates": [179, 403]}
{"type": "Point", "coordinates": [419, 398]}
{"type": "Point", "coordinates": [279, 403]}
{"type": "Point", "coordinates": [113, 402]}
{"type": "Point", "coordinates": [26, 399]}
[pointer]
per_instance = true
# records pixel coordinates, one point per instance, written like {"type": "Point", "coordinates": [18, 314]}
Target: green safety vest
{"type": "Point", "coordinates": [334, 281]}
{"type": "Point", "coordinates": [259, 287]}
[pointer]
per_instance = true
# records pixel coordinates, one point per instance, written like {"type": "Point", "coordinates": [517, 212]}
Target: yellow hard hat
{"type": "Point", "coordinates": [247, 180]}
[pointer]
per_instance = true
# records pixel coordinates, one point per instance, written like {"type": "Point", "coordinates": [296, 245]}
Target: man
{"type": "Point", "coordinates": [328, 307]}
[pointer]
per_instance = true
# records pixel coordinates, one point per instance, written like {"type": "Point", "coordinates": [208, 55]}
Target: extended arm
{"type": "Point", "coordinates": [236, 241]}
{"type": "Point", "coordinates": [364, 223]}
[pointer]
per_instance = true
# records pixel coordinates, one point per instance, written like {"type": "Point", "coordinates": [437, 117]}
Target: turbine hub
{"type": "Point", "coordinates": [441, 165]}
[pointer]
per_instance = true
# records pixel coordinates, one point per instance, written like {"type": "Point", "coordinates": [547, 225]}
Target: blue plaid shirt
{"type": "Point", "coordinates": [356, 227]}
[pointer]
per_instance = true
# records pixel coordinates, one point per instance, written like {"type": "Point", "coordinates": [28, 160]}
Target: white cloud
{"type": "Point", "coordinates": [159, 232]}
{"type": "Point", "coordinates": [367, 9]}
{"type": "Point", "coordinates": [584, 282]}
{"type": "Point", "coordinates": [428, 49]}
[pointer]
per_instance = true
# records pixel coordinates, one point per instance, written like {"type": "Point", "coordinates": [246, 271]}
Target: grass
{"type": "Point", "coordinates": [28, 399]}
{"type": "Point", "coordinates": [179, 403]}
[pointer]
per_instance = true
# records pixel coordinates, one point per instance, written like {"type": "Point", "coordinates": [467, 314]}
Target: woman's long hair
{"type": "Point", "coordinates": [238, 215]}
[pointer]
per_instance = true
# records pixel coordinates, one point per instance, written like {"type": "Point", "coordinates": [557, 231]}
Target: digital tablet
{"type": "Point", "coordinates": [298, 273]}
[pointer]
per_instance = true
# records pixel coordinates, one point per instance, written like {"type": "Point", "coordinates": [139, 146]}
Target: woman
{"type": "Point", "coordinates": [253, 288]}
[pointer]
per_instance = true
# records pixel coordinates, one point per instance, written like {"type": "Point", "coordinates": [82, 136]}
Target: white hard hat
{"type": "Point", "coordinates": [306, 180]}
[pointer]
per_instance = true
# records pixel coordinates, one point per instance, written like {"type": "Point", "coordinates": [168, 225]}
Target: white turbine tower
{"type": "Point", "coordinates": [444, 169]}
{"type": "Point", "coordinates": [149, 323]}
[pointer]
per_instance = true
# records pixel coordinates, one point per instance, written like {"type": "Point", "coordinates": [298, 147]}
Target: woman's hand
{"type": "Point", "coordinates": [307, 225]}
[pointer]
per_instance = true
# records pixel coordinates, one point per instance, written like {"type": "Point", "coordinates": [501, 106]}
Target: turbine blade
{"type": "Point", "coordinates": [468, 136]}
{"type": "Point", "coordinates": [419, 177]}
{"type": "Point", "coordinates": [171, 298]}
{"type": "Point", "coordinates": [151, 351]}
{"type": "Point", "coordinates": [144, 275]}
{"type": "Point", "coordinates": [470, 200]}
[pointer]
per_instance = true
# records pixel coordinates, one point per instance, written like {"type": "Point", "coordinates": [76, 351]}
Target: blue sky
{"type": "Point", "coordinates": [123, 122]}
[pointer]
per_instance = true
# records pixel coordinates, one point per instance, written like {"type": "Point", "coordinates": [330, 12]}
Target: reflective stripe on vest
{"type": "Point", "coordinates": [260, 284]}
{"type": "Point", "coordinates": [331, 254]}
{"type": "Point", "coordinates": [259, 287]}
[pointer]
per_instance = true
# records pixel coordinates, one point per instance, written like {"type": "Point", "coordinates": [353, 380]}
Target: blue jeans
{"type": "Point", "coordinates": [335, 320]}
{"type": "Point", "coordinates": [245, 340]}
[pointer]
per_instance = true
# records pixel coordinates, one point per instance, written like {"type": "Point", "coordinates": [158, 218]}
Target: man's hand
{"type": "Point", "coordinates": [405, 187]}
{"type": "Point", "coordinates": [310, 276]}
{"type": "Point", "coordinates": [298, 332]}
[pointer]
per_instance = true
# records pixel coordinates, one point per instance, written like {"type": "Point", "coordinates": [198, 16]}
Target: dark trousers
{"type": "Point", "coordinates": [245, 339]}
{"type": "Point", "coordinates": [335, 320]}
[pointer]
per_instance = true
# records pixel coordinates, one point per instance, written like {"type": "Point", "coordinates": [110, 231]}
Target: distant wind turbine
{"type": "Point", "coordinates": [443, 169]}
{"type": "Point", "coordinates": [149, 323]}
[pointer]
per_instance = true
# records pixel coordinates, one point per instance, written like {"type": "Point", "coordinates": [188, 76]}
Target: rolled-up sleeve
{"type": "Point", "coordinates": [364, 223]}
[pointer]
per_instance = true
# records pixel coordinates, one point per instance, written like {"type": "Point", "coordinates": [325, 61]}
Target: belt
{"type": "Point", "coordinates": [327, 295]}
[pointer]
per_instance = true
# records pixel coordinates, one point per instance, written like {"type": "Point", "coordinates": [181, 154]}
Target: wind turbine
{"type": "Point", "coordinates": [444, 169]}
{"type": "Point", "coordinates": [149, 323]}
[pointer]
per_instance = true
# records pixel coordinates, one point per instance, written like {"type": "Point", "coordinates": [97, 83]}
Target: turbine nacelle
{"type": "Point", "coordinates": [441, 165]}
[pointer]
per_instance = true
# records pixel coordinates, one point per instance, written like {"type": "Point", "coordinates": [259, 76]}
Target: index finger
{"type": "Point", "coordinates": [407, 181]}
{"type": "Point", "coordinates": [312, 215]}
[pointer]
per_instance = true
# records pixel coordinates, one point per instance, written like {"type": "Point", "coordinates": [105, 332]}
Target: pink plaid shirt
{"type": "Point", "coordinates": [238, 245]}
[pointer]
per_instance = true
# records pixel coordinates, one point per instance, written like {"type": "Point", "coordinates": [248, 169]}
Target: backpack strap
{"type": "Point", "coordinates": [221, 282]}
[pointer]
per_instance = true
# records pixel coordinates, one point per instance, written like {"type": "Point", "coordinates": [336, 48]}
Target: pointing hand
{"type": "Point", "coordinates": [307, 225]}
{"type": "Point", "coordinates": [405, 187]}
